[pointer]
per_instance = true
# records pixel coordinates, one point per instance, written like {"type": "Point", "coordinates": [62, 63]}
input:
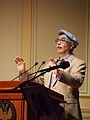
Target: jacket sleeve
{"type": "Point", "coordinates": [75, 77]}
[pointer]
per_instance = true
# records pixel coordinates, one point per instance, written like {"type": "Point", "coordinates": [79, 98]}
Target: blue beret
{"type": "Point", "coordinates": [70, 36]}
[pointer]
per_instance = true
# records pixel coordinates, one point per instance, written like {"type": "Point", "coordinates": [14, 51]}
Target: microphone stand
{"type": "Point", "coordinates": [37, 70]}
{"type": "Point", "coordinates": [25, 71]}
{"type": "Point", "coordinates": [26, 82]}
{"type": "Point", "coordinates": [64, 65]}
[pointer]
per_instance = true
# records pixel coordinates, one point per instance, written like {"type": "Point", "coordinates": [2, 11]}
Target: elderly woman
{"type": "Point", "coordinates": [64, 81]}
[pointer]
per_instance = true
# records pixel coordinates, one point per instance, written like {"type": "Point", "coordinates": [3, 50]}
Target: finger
{"type": "Point", "coordinates": [18, 59]}
{"type": "Point", "coordinates": [49, 66]}
{"type": "Point", "coordinates": [21, 59]}
{"type": "Point", "coordinates": [52, 60]}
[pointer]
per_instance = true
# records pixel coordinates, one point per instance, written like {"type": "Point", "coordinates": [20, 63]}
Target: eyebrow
{"type": "Point", "coordinates": [63, 38]}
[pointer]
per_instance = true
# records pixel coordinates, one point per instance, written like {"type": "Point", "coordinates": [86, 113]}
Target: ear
{"type": "Point", "coordinates": [71, 46]}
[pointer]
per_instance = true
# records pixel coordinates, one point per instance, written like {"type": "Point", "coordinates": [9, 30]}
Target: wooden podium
{"type": "Point", "coordinates": [13, 104]}
{"type": "Point", "coordinates": [18, 108]}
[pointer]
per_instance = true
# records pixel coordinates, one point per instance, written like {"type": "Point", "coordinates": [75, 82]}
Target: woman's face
{"type": "Point", "coordinates": [63, 45]}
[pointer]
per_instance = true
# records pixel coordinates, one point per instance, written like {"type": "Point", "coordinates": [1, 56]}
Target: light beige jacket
{"type": "Point", "coordinates": [68, 85]}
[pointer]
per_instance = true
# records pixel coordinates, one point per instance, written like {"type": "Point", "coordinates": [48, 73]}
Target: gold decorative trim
{"type": "Point", "coordinates": [26, 31]}
{"type": "Point", "coordinates": [34, 33]}
{"type": "Point", "coordinates": [85, 92]}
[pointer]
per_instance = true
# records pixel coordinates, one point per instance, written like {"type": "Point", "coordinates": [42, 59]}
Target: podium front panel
{"type": "Point", "coordinates": [12, 105]}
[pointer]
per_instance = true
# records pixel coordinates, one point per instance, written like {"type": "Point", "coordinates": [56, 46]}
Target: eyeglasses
{"type": "Point", "coordinates": [62, 40]}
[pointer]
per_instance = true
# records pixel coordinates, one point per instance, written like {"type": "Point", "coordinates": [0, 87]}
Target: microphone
{"type": "Point", "coordinates": [37, 70]}
{"type": "Point", "coordinates": [36, 63]}
{"type": "Point", "coordinates": [63, 65]}
{"type": "Point", "coordinates": [39, 67]}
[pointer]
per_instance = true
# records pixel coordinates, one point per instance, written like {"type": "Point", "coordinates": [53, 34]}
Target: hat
{"type": "Point", "coordinates": [70, 36]}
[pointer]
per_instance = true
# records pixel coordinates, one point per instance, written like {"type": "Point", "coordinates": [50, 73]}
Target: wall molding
{"type": "Point", "coordinates": [26, 31]}
{"type": "Point", "coordinates": [86, 113]}
{"type": "Point", "coordinates": [86, 91]}
{"type": "Point", "coordinates": [34, 33]}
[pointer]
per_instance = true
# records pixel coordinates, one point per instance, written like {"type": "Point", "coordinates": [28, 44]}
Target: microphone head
{"type": "Point", "coordinates": [43, 62]}
{"type": "Point", "coordinates": [36, 63]}
{"type": "Point", "coordinates": [65, 64]}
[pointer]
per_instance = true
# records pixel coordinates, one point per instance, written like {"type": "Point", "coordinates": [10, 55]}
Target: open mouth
{"type": "Point", "coordinates": [58, 46]}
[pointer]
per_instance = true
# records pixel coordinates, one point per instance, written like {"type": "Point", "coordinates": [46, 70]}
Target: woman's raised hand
{"type": "Point", "coordinates": [20, 63]}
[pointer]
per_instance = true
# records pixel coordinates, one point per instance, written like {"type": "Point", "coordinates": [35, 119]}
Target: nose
{"type": "Point", "coordinates": [59, 42]}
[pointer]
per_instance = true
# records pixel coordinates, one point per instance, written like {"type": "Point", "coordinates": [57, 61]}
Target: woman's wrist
{"type": "Point", "coordinates": [58, 73]}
